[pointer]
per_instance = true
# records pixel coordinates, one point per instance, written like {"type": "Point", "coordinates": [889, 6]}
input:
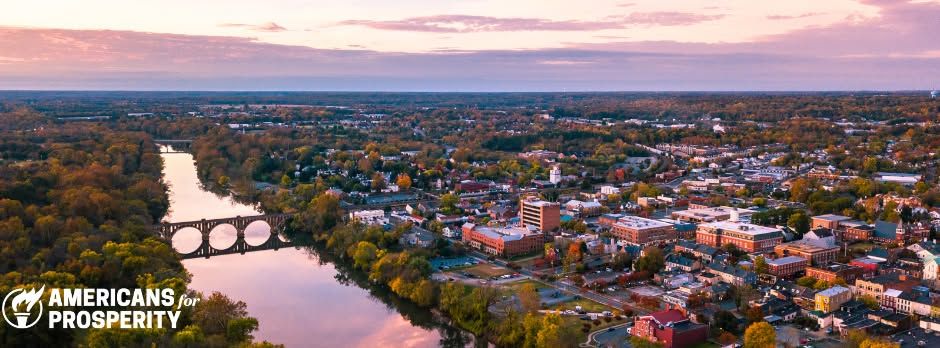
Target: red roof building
{"type": "Point", "coordinates": [671, 328]}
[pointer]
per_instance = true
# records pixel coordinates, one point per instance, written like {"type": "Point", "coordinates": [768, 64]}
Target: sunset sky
{"type": "Point", "coordinates": [477, 45]}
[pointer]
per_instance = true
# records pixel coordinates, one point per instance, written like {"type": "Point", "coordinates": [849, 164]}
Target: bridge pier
{"type": "Point", "coordinates": [276, 222]}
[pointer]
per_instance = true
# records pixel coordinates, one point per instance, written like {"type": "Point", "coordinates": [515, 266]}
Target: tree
{"type": "Point", "coordinates": [760, 265]}
{"type": "Point", "coordinates": [529, 298]}
{"type": "Point", "coordinates": [726, 321]}
{"type": "Point", "coordinates": [726, 338]}
{"type": "Point", "coordinates": [855, 337]}
{"type": "Point", "coordinates": [285, 181]}
{"type": "Point", "coordinates": [403, 181]}
{"type": "Point", "coordinates": [652, 260]}
{"type": "Point", "coordinates": [639, 342]}
{"type": "Point", "coordinates": [364, 254]}
{"type": "Point", "coordinates": [449, 203]}
{"type": "Point", "coordinates": [760, 335]}
{"type": "Point", "coordinates": [378, 181]}
{"type": "Point", "coordinates": [799, 222]}
{"type": "Point", "coordinates": [869, 301]}
{"type": "Point", "coordinates": [878, 343]}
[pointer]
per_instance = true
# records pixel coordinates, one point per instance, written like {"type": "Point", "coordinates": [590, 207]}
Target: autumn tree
{"type": "Point", "coordinates": [529, 298]}
{"type": "Point", "coordinates": [760, 335]}
{"type": "Point", "coordinates": [403, 181]}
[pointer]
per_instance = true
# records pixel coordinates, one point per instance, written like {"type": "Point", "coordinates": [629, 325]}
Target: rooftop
{"type": "Point", "coordinates": [832, 217]}
{"type": "Point", "coordinates": [742, 227]}
{"type": "Point", "coordinates": [785, 260]}
{"type": "Point", "coordinates": [835, 290]}
{"type": "Point", "coordinates": [640, 223]}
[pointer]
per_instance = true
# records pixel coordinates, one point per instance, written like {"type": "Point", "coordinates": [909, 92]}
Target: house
{"type": "Point", "coordinates": [583, 209]}
{"type": "Point", "coordinates": [671, 328]}
{"type": "Point", "coordinates": [732, 275]}
{"type": "Point", "coordinates": [417, 237]}
{"type": "Point", "coordinates": [675, 261]}
{"type": "Point", "coordinates": [832, 298]}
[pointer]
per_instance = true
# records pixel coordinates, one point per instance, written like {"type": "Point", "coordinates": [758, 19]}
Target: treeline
{"type": "Point", "coordinates": [76, 203]}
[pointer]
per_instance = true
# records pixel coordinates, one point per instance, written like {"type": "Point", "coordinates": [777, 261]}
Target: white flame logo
{"type": "Point", "coordinates": [29, 298]}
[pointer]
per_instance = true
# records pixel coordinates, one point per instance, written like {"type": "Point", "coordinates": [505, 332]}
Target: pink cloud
{"type": "Point", "coordinates": [467, 24]}
{"type": "Point", "coordinates": [269, 27]}
{"type": "Point", "coordinates": [786, 17]}
{"type": "Point", "coordinates": [895, 50]}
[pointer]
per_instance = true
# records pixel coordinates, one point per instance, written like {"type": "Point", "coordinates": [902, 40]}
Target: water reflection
{"type": "Point", "coordinates": [300, 297]}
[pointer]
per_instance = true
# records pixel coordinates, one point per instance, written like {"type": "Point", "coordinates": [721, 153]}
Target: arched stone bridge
{"type": "Point", "coordinates": [277, 223]}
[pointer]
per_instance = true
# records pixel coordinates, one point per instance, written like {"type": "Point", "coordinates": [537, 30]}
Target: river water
{"type": "Point", "coordinates": [299, 298]}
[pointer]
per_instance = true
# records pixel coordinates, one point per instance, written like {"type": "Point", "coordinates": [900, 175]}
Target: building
{"type": "Point", "coordinates": [818, 255]}
{"type": "Point", "coordinates": [369, 217]}
{"type": "Point", "coordinates": [711, 214]}
{"type": "Point", "coordinates": [641, 231]}
{"type": "Point", "coordinates": [745, 236]}
{"type": "Point", "coordinates": [583, 209]}
{"type": "Point", "coordinates": [671, 328]}
{"type": "Point", "coordinates": [732, 275]}
{"type": "Point", "coordinates": [877, 286]}
{"type": "Point", "coordinates": [830, 221]}
{"type": "Point", "coordinates": [831, 299]}
{"type": "Point", "coordinates": [830, 273]}
{"type": "Point", "coordinates": [787, 266]}
{"type": "Point", "coordinates": [503, 241]}
{"type": "Point", "coordinates": [554, 175]}
{"type": "Point", "coordinates": [906, 179]}
{"type": "Point", "coordinates": [545, 216]}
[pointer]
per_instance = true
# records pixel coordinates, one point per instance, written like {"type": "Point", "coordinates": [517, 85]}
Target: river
{"type": "Point", "coordinates": [300, 298]}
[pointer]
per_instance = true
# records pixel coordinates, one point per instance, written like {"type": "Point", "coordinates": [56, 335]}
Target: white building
{"type": "Point", "coordinates": [369, 217]}
{"type": "Point", "coordinates": [554, 176]}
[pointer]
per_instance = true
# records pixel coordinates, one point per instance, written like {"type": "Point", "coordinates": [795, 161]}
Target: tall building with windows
{"type": "Point", "coordinates": [543, 215]}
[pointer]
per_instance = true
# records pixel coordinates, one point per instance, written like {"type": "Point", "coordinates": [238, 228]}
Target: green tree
{"type": "Point", "coordinates": [652, 260]}
{"type": "Point", "coordinates": [799, 222]}
{"type": "Point", "coordinates": [760, 265]}
{"type": "Point", "coordinates": [760, 335]}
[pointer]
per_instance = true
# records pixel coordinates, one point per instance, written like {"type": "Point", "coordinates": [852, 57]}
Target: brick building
{"type": "Point", "coordinates": [641, 231]}
{"type": "Point", "coordinates": [745, 236]}
{"type": "Point", "coordinates": [816, 253]}
{"type": "Point", "coordinates": [787, 266]}
{"type": "Point", "coordinates": [671, 328]}
{"type": "Point", "coordinates": [503, 241]}
{"type": "Point", "coordinates": [545, 216]}
{"type": "Point", "coordinates": [835, 271]}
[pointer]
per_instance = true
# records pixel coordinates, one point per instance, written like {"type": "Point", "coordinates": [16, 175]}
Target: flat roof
{"type": "Point", "coordinates": [713, 211]}
{"type": "Point", "coordinates": [832, 217]}
{"type": "Point", "coordinates": [785, 260]}
{"type": "Point", "coordinates": [835, 290]}
{"type": "Point", "coordinates": [505, 233]}
{"type": "Point", "coordinates": [742, 227]}
{"type": "Point", "coordinates": [637, 222]}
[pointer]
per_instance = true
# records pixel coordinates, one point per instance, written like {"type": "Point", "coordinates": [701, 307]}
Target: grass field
{"type": "Point", "coordinates": [576, 324]}
{"type": "Point", "coordinates": [515, 286]}
{"type": "Point", "coordinates": [586, 305]}
{"type": "Point", "coordinates": [486, 270]}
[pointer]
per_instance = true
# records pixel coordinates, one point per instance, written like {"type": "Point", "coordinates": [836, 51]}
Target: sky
{"type": "Point", "coordinates": [471, 45]}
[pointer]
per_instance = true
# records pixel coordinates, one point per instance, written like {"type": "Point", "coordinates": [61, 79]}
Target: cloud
{"type": "Point", "coordinates": [786, 17]}
{"type": "Point", "coordinates": [470, 24]}
{"type": "Point", "coordinates": [269, 27]}
{"type": "Point", "coordinates": [895, 50]}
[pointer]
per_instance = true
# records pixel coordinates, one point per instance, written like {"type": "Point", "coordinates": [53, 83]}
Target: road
{"type": "Point", "coordinates": [617, 337]}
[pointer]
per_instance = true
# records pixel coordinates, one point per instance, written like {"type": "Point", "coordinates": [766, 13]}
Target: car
{"type": "Point", "coordinates": [584, 317]}
{"type": "Point", "coordinates": [610, 329]}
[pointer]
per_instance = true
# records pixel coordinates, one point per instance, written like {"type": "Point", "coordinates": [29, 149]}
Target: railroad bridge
{"type": "Point", "coordinates": [277, 223]}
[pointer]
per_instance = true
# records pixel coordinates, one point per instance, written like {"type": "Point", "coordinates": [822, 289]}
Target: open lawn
{"type": "Point", "coordinates": [574, 322]}
{"type": "Point", "coordinates": [484, 270]}
{"type": "Point", "coordinates": [586, 305]}
{"type": "Point", "coordinates": [515, 286]}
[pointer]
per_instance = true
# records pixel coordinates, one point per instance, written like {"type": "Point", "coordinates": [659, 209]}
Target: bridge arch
{"type": "Point", "coordinates": [206, 228]}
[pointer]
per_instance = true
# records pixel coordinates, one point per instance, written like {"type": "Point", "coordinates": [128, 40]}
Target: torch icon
{"type": "Point", "coordinates": [22, 305]}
